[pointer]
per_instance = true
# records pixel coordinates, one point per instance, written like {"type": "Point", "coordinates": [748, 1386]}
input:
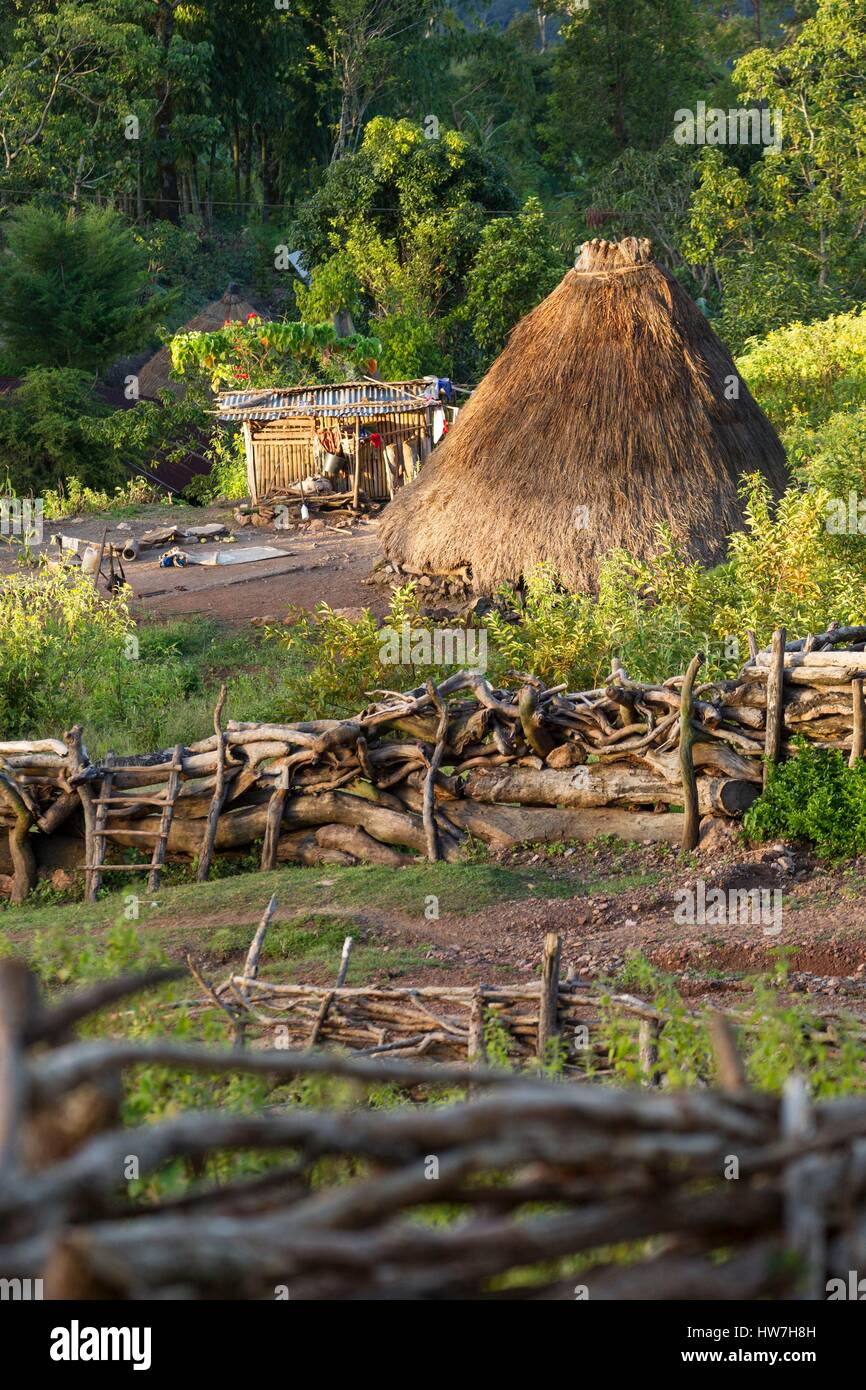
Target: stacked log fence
{"type": "Point", "coordinates": [708, 1194]}
{"type": "Point", "coordinates": [418, 773]}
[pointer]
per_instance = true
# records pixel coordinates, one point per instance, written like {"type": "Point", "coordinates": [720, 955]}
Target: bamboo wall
{"type": "Point", "coordinates": [283, 451]}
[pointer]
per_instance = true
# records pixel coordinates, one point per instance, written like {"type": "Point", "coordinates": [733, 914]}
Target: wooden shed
{"type": "Point", "coordinates": [365, 436]}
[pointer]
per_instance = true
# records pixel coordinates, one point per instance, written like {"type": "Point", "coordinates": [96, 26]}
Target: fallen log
{"type": "Point", "coordinates": [352, 839]}
{"type": "Point", "coordinates": [242, 826]}
{"type": "Point", "coordinates": [601, 785]}
{"type": "Point", "coordinates": [503, 827]}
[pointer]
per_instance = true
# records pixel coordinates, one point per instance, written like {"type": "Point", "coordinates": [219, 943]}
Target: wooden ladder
{"type": "Point", "coordinates": [107, 799]}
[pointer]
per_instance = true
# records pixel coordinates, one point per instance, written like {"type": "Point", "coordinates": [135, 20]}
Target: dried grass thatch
{"type": "Point", "coordinates": [156, 376]}
{"type": "Point", "coordinates": [607, 414]}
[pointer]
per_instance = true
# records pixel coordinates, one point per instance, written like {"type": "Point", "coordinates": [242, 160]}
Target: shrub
{"type": "Point", "coordinates": [655, 614]}
{"type": "Point", "coordinates": [45, 434]}
{"type": "Point", "coordinates": [57, 636]}
{"type": "Point", "coordinates": [228, 474]}
{"type": "Point", "coordinates": [342, 657]}
{"type": "Point", "coordinates": [813, 796]}
{"type": "Point", "coordinates": [71, 498]}
{"type": "Point", "coordinates": [808, 370]}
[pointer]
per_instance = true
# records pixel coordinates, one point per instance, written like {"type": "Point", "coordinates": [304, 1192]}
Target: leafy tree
{"type": "Point", "coordinates": [392, 232]}
{"type": "Point", "coordinates": [44, 435]}
{"type": "Point", "coordinates": [73, 290]}
{"type": "Point", "coordinates": [622, 70]}
{"type": "Point", "coordinates": [515, 267]}
{"type": "Point", "coordinates": [69, 76]}
{"type": "Point", "coordinates": [649, 193]}
{"type": "Point", "coordinates": [259, 353]}
{"type": "Point", "coordinates": [787, 234]}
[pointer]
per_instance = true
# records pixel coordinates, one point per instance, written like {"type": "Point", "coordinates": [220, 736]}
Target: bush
{"type": "Point", "coordinates": [228, 474]}
{"type": "Point", "coordinates": [832, 457]}
{"type": "Point", "coordinates": [655, 614]}
{"type": "Point", "coordinates": [72, 499]}
{"type": "Point", "coordinates": [46, 434]}
{"type": "Point", "coordinates": [813, 796]}
{"type": "Point", "coordinates": [339, 659]}
{"type": "Point", "coordinates": [58, 637]}
{"type": "Point", "coordinates": [805, 373]}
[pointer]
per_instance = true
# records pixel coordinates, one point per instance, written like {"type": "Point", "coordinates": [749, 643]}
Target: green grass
{"type": "Point", "coordinates": [167, 695]}
{"type": "Point", "coordinates": [317, 908]}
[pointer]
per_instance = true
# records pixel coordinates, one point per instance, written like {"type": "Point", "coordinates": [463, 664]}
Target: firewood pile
{"type": "Point", "coordinates": [453, 587]}
{"type": "Point", "coordinates": [720, 1194]}
{"type": "Point", "coordinates": [418, 772]}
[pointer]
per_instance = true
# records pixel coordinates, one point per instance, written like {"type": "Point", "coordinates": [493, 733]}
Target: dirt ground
{"type": "Point", "coordinates": [318, 561]}
{"type": "Point", "coordinates": [610, 904]}
{"type": "Point", "coordinates": [822, 937]}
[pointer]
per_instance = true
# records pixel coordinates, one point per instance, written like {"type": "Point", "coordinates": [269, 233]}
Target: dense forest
{"type": "Point", "coordinates": [429, 168]}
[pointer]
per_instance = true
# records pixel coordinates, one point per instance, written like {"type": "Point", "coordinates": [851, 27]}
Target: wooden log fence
{"type": "Point", "coordinates": [532, 1174]}
{"type": "Point", "coordinates": [415, 773]}
{"type": "Point", "coordinates": [550, 1022]}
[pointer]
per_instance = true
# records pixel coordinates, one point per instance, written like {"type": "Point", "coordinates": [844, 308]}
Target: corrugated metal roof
{"type": "Point", "coordinates": [347, 398]}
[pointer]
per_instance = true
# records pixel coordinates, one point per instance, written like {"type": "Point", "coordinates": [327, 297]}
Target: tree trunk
{"type": "Point", "coordinates": [167, 204]}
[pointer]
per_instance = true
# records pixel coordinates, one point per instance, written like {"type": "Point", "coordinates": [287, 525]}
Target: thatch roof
{"type": "Point", "coordinates": [606, 414]}
{"type": "Point", "coordinates": [156, 376]}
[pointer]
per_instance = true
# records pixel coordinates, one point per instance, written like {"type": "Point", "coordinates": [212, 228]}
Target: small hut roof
{"type": "Point", "coordinates": [346, 400]}
{"type": "Point", "coordinates": [612, 409]}
{"type": "Point", "coordinates": [156, 376]}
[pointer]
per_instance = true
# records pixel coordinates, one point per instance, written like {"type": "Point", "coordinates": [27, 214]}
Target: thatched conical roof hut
{"type": "Point", "coordinates": [613, 408]}
{"type": "Point", "coordinates": [156, 375]}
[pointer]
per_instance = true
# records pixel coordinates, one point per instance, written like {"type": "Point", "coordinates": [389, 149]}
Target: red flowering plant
{"type": "Point", "coordinates": [259, 352]}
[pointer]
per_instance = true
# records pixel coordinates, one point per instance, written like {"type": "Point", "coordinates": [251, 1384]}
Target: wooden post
{"type": "Point", "coordinates": [18, 1006]}
{"type": "Point", "coordinates": [475, 1050]}
{"type": "Point", "coordinates": [77, 764]}
{"type": "Point", "coordinates": [213, 815]}
{"type": "Point", "coordinates": [391, 454]}
{"type": "Point", "coordinates": [328, 999]}
{"type": "Point", "coordinates": [20, 844]}
{"type": "Point", "coordinates": [858, 730]}
{"type": "Point", "coordinates": [648, 1051]}
{"type": "Point", "coordinates": [691, 816]}
{"type": "Point", "coordinates": [251, 465]}
{"type": "Point", "coordinates": [729, 1063]}
{"type": "Point", "coordinates": [805, 1228]}
{"type": "Point", "coordinates": [276, 806]}
{"type": "Point", "coordinates": [251, 965]}
{"type": "Point", "coordinates": [548, 1005]}
{"type": "Point", "coordinates": [356, 478]}
{"type": "Point", "coordinates": [775, 699]}
{"type": "Point", "coordinates": [429, 806]}
{"type": "Point", "coordinates": [172, 792]}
